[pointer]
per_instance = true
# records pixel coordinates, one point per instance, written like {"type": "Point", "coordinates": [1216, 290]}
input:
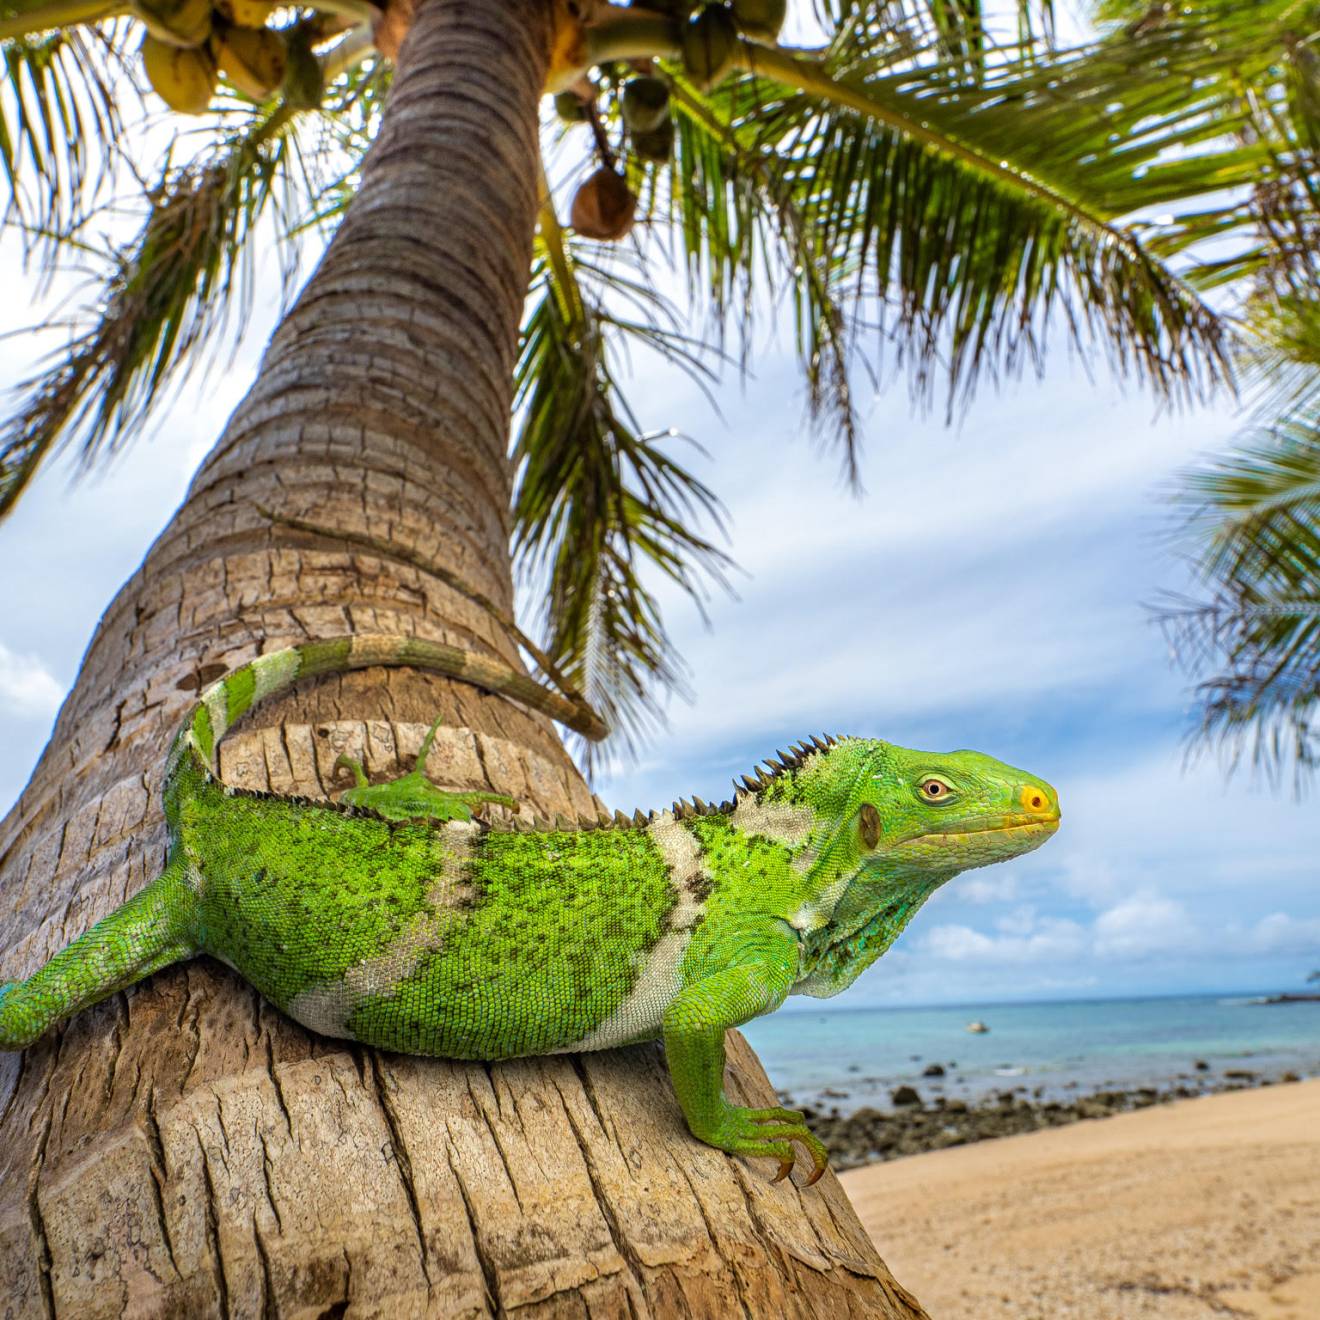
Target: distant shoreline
{"type": "Point", "coordinates": [981, 1007]}
{"type": "Point", "coordinates": [874, 1136]}
{"type": "Point", "coordinates": [1056, 1055]}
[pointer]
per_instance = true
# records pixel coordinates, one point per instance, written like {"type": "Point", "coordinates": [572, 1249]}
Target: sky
{"type": "Point", "coordinates": [990, 590]}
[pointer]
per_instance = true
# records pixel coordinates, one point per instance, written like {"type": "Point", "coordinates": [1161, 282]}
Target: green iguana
{"type": "Point", "coordinates": [396, 919]}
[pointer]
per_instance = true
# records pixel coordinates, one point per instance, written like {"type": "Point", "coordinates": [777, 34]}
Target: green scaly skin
{"type": "Point", "coordinates": [395, 919]}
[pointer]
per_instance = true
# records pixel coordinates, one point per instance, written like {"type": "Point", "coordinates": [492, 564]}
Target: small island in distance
{"type": "Point", "coordinates": [1313, 979]}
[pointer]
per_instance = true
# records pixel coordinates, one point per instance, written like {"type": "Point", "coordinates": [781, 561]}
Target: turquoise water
{"type": "Point", "coordinates": [1061, 1048]}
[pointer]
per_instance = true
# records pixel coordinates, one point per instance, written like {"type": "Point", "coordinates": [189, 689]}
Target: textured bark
{"type": "Point", "coordinates": [183, 1149]}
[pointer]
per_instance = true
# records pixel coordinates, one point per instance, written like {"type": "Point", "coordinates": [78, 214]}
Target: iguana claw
{"type": "Point", "coordinates": [771, 1132]}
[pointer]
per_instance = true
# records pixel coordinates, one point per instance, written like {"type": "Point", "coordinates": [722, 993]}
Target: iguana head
{"type": "Point", "coordinates": [888, 826]}
{"type": "Point", "coordinates": [880, 806]}
{"type": "Point", "coordinates": [950, 810]}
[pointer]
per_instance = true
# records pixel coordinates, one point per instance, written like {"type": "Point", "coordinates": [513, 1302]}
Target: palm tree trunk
{"type": "Point", "coordinates": [183, 1149]}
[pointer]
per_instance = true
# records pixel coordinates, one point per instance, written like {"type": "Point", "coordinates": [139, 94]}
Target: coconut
{"type": "Point", "coordinates": [570, 107]}
{"type": "Point", "coordinates": [603, 207]}
{"type": "Point", "coordinates": [245, 13]}
{"type": "Point", "coordinates": [645, 104]}
{"type": "Point", "coordinates": [182, 23]}
{"type": "Point", "coordinates": [709, 44]}
{"type": "Point", "coordinates": [657, 145]}
{"type": "Point", "coordinates": [304, 83]}
{"type": "Point", "coordinates": [184, 79]}
{"type": "Point", "coordinates": [253, 59]}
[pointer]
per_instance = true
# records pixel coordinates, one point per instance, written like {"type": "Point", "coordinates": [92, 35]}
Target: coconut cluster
{"type": "Point", "coordinates": [190, 43]}
{"type": "Point", "coordinates": [604, 207]}
{"type": "Point", "coordinates": [711, 33]}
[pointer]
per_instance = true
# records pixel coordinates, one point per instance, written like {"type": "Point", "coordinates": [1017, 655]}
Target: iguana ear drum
{"type": "Point", "coordinates": [870, 823]}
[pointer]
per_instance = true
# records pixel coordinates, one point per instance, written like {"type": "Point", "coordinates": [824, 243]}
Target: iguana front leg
{"type": "Point", "coordinates": [760, 977]}
{"type": "Point", "coordinates": [413, 796]}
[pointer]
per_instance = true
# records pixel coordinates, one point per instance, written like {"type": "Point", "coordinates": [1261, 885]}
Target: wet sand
{"type": "Point", "coordinates": [1195, 1210]}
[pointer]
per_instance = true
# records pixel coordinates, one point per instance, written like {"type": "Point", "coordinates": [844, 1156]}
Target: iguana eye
{"type": "Point", "coordinates": [935, 790]}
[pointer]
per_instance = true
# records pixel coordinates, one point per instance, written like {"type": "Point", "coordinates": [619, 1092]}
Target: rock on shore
{"type": "Point", "coordinates": [912, 1127]}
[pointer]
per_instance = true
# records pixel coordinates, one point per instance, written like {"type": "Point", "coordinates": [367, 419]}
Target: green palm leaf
{"type": "Point", "coordinates": [1258, 512]}
{"type": "Point", "coordinates": [61, 125]}
{"type": "Point", "coordinates": [168, 297]}
{"type": "Point", "coordinates": [177, 297]}
{"type": "Point", "coordinates": [601, 507]}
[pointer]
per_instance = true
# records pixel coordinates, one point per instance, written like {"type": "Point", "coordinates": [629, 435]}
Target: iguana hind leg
{"type": "Point", "coordinates": [153, 929]}
{"type": "Point", "coordinates": [413, 796]}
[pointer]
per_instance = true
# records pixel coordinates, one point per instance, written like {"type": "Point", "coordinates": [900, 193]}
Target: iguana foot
{"type": "Point", "coordinates": [769, 1132]}
{"type": "Point", "coordinates": [413, 796]}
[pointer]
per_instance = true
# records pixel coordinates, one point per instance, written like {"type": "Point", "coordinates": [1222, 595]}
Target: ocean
{"type": "Point", "coordinates": [849, 1058]}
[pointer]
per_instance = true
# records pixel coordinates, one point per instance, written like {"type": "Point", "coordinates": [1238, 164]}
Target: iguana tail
{"type": "Point", "coordinates": [221, 704]}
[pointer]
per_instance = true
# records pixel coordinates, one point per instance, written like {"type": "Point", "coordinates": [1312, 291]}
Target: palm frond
{"type": "Point", "coordinates": [601, 506]}
{"type": "Point", "coordinates": [350, 117]}
{"type": "Point", "coordinates": [740, 220]}
{"type": "Point", "coordinates": [176, 297]}
{"type": "Point", "coordinates": [962, 25]}
{"type": "Point", "coordinates": [974, 206]}
{"type": "Point", "coordinates": [1280, 354]}
{"type": "Point", "coordinates": [62, 102]}
{"type": "Point", "coordinates": [878, 182]}
{"type": "Point", "coordinates": [1257, 511]}
{"type": "Point", "coordinates": [167, 299]}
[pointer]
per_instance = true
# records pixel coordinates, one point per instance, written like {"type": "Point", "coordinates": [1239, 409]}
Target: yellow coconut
{"type": "Point", "coordinates": [183, 79]}
{"type": "Point", "coordinates": [245, 13]}
{"type": "Point", "coordinates": [253, 59]}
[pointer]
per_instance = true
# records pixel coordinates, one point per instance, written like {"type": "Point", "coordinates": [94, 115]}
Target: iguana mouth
{"type": "Point", "coordinates": [1015, 824]}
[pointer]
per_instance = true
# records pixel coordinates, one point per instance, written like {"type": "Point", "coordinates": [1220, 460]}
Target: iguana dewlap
{"type": "Point", "coordinates": [397, 920]}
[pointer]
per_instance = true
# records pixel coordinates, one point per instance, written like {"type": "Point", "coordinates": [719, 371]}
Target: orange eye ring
{"type": "Point", "coordinates": [935, 790]}
{"type": "Point", "coordinates": [1033, 798]}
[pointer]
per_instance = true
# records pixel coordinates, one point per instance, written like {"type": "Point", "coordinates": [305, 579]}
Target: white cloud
{"type": "Point", "coordinates": [1144, 822]}
{"type": "Point", "coordinates": [1143, 926]}
{"type": "Point", "coordinates": [1280, 934]}
{"type": "Point", "coordinates": [1019, 921]}
{"type": "Point", "coordinates": [1001, 887]}
{"type": "Point", "coordinates": [1054, 939]}
{"type": "Point", "coordinates": [1092, 879]}
{"type": "Point", "coordinates": [27, 687]}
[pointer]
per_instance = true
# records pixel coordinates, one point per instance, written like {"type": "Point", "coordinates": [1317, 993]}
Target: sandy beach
{"type": "Point", "coordinates": [1202, 1208]}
